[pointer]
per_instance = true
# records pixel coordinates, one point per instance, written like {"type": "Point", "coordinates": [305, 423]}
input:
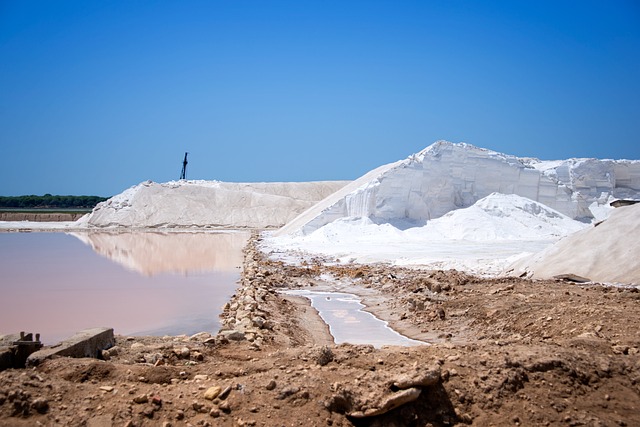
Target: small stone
{"type": "Point", "coordinates": [215, 413]}
{"type": "Point", "coordinates": [140, 399]}
{"type": "Point", "coordinates": [258, 321]}
{"type": "Point", "coordinates": [325, 356]}
{"type": "Point", "coordinates": [106, 388]}
{"type": "Point", "coordinates": [198, 407]}
{"type": "Point", "coordinates": [179, 414]}
{"type": "Point", "coordinates": [156, 400]}
{"type": "Point", "coordinates": [233, 335]}
{"type": "Point", "coordinates": [200, 336]}
{"type": "Point", "coordinates": [225, 407]}
{"type": "Point", "coordinates": [289, 391]}
{"type": "Point", "coordinates": [148, 411]}
{"type": "Point", "coordinates": [212, 392]}
{"type": "Point", "coordinates": [41, 405]}
{"type": "Point", "coordinates": [185, 352]}
{"type": "Point", "coordinates": [224, 393]}
{"type": "Point", "coordinates": [271, 385]}
{"type": "Point", "coordinates": [201, 377]}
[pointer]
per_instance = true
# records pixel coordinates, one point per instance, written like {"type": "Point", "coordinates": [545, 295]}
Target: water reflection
{"type": "Point", "coordinates": [172, 283]}
{"type": "Point", "coordinates": [348, 323]}
{"type": "Point", "coordinates": [150, 253]}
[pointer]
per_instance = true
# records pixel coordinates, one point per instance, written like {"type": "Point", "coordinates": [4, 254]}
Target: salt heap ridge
{"type": "Point", "coordinates": [447, 176]}
{"type": "Point", "coordinates": [204, 204]}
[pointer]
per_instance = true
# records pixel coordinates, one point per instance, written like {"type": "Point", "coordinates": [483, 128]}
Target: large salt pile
{"type": "Point", "coordinates": [209, 204]}
{"type": "Point", "coordinates": [447, 176]}
{"type": "Point", "coordinates": [606, 252]}
{"type": "Point", "coordinates": [481, 238]}
{"type": "Point", "coordinates": [458, 206]}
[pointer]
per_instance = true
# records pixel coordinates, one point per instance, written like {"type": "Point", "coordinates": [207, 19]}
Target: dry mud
{"type": "Point", "coordinates": [503, 352]}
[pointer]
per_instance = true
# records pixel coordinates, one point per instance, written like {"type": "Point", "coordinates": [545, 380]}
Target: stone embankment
{"type": "Point", "coordinates": [261, 315]}
{"type": "Point", "coordinates": [245, 316]}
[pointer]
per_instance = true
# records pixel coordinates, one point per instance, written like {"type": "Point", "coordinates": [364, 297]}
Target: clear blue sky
{"type": "Point", "coordinates": [96, 96]}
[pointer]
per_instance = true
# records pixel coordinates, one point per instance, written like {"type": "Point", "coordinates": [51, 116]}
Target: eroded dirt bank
{"type": "Point", "coordinates": [40, 216]}
{"type": "Point", "coordinates": [504, 352]}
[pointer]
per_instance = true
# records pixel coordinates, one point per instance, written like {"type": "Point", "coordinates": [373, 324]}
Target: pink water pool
{"type": "Point", "coordinates": [139, 283]}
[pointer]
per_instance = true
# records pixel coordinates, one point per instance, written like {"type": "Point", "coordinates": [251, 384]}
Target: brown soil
{"type": "Point", "coordinates": [504, 352]}
{"type": "Point", "coordinates": [40, 216]}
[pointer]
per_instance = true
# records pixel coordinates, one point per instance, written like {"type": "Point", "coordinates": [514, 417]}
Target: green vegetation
{"type": "Point", "coordinates": [49, 202]}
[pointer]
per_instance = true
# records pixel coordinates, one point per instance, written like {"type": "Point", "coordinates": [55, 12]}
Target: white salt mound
{"type": "Point", "coordinates": [209, 204]}
{"type": "Point", "coordinates": [480, 239]}
{"type": "Point", "coordinates": [495, 217]}
{"type": "Point", "coordinates": [608, 252]}
{"type": "Point", "coordinates": [502, 217]}
{"type": "Point", "coordinates": [447, 176]}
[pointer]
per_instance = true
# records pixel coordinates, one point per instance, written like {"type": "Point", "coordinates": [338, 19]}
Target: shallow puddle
{"type": "Point", "coordinates": [139, 283]}
{"type": "Point", "coordinates": [348, 323]}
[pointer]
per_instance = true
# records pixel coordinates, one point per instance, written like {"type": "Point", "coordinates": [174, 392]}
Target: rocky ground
{"type": "Point", "coordinates": [503, 352]}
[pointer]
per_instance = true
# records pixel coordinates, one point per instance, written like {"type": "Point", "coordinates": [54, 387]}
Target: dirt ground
{"type": "Point", "coordinates": [502, 352]}
{"type": "Point", "coordinates": [40, 216]}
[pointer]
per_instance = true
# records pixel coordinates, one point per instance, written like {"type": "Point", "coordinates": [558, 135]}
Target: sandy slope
{"type": "Point", "coordinates": [608, 252]}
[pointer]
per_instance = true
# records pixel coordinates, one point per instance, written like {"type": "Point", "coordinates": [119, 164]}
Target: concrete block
{"type": "Point", "coordinates": [15, 348]}
{"type": "Point", "coordinates": [86, 343]}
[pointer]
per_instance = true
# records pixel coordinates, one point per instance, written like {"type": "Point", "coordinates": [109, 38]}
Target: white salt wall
{"type": "Point", "coordinates": [594, 179]}
{"type": "Point", "coordinates": [447, 176]}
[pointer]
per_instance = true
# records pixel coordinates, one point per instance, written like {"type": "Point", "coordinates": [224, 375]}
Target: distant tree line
{"type": "Point", "coordinates": [49, 201]}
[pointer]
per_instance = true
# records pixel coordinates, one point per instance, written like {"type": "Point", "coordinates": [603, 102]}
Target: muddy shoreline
{"type": "Point", "coordinates": [504, 352]}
